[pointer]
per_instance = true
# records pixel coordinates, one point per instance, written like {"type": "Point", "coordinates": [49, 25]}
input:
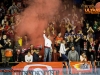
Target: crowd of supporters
{"type": "Point", "coordinates": [77, 31]}
{"type": "Point", "coordinates": [8, 11]}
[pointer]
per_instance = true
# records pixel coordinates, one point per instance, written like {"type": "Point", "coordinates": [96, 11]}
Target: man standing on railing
{"type": "Point", "coordinates": [62, 51]}
{"type": "Point", "coordinates": [47, 47]}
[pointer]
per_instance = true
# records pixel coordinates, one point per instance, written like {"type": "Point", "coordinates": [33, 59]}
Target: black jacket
{"type": "Point", "coordinates": [82, 43]}
{"type": "Point", "coordinates": [20, 57]}
{"type": "Point", "coordinates": [4, 44]}
{"type": "Point", "coordinates": [91, 56]}
{"type": "Point", "coordinates": [35, 57]}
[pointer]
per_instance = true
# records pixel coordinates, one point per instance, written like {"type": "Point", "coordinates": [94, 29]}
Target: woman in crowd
{"type": "Point", "coordinates": [83, 57]}
{"type": "Point", "coordinates": [28, 57]}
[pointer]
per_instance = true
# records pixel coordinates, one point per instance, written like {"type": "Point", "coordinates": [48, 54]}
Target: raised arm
{"type": "Point", "coordinates": [44, 36]}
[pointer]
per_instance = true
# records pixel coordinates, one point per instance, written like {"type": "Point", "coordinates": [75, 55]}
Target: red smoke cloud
{"type": "Point", "coordinates": [97, 5]}
{"type": "Point", "coordinates": [35, 19]}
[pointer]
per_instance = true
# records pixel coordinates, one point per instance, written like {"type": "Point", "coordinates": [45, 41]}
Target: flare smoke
{"type": "Point", "coordinates": [35, 19]}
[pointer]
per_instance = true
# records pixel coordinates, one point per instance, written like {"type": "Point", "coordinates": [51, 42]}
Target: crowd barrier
{"type": "Point", "coordinates": [54, 68]}
{"type": "Point", "coordinates": [49, 68]}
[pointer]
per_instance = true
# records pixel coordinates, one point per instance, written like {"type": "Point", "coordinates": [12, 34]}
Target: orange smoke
{"type": "Point", "coordinates": [35, 19]}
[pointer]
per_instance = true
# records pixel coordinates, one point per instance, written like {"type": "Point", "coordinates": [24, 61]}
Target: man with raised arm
{"type": "Point", "coordinates": [47, 47]}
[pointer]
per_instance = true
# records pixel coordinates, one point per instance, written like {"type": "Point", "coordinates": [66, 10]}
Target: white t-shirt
{"type": "Point", "coordinates": [62, 48]}
{"type": "Point", "coordinates": [28, 58]}
{"type": "Point", "coordinates": [48, 42]}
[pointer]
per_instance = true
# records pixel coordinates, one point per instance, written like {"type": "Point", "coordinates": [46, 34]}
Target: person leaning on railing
{"type": "Point", "coordinates": [28, 57]}
{"type": "Point", "coordinates": [73, 54]}
{"type": "Point", "coordinates": [17, 56]}
{"type": "Point", "coordinates": [83, 57]}
{"type": "Point", "coordinates": [36, 55]}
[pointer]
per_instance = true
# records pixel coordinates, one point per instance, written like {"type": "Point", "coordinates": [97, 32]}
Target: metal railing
{"type": "Point", "coordinates": [5, 71]}
{"type": "Point", "coordinates": [51, 72]}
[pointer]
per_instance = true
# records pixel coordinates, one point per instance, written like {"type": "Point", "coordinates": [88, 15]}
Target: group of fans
{"type": "Point", "coordinates": [8, 11]}
{"type": "Point", "coordinates": [74, 37]}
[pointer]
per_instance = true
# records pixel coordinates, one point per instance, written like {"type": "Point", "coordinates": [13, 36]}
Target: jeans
{"type": "Point", "coordinates": [47, 53]}
{"type": "Point", "coordinates": [65, 58]}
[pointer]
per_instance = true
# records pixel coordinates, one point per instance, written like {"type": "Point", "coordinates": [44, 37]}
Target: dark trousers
{"type": "Point", "coordinates": [78, 49]}
{"type": "Point", "coordinates": [65, 58]}
{"type": "Point", "coordinates": [93, 63]}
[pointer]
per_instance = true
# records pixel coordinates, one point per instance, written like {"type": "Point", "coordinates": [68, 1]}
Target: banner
{"type": "Point", "coordinates": [50, 68]}
{"type": "Point", "coordinates": [77, 67]}
{"type": "Point", "coordinates": [38, 68]}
